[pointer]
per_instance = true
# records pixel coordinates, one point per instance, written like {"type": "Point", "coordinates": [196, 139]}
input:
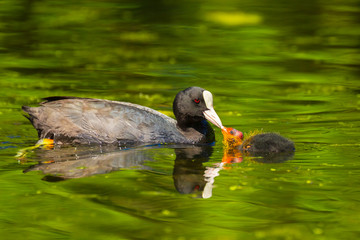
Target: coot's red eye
{"type": "Point", "coordinates": [197, 101]}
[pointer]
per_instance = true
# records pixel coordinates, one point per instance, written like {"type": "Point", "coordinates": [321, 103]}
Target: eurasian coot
{"type": "Point", "coordinates": [73, 120]}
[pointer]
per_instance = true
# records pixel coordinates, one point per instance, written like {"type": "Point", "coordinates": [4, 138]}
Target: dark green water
{"type": "Point", "coordinates": [283, 66]}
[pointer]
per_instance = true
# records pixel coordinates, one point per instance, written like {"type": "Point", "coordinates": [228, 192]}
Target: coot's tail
{"type": "Point", "coordinates": [28, 111]}
{"type": "Point", "coordinates": [31, 116]}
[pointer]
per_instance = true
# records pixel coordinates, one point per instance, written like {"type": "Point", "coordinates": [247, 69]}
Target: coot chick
{"type": "Point", "coordinates": [267, 143]}
{"type": "Point", "coordinates": [272, 147]}
{"type": "Point", "coordinates": [73, 120]}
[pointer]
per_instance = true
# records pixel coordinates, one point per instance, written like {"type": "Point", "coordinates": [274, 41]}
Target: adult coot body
{"type": "Point", "coordinates": [72, 120]}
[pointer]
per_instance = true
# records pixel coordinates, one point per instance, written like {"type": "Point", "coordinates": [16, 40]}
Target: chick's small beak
{"type": "Point", "coordinates": [212, 117]}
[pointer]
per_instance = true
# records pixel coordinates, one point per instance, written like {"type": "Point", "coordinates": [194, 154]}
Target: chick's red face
{"type": "Point", "coordinates": [232, 137]}
{"type": "Point", "coordinates": [236, 133]}
{"type": "Point", "coordinates": [233, 132]}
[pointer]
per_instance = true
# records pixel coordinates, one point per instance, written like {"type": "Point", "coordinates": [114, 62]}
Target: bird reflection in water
{"type": "Point", "coordinates": [189, 173]}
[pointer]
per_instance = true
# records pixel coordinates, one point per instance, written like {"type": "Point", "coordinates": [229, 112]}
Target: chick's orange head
{"type": "Point", "coordinates": [232, 137]}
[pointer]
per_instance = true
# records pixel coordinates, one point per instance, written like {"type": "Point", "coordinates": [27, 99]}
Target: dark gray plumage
{"type": "Point", "coordinates": [268, 147]}
{"type": "Point", "coordinates": [267, 143]}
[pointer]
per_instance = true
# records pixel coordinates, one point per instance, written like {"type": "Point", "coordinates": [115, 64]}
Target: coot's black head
{"type": "Point", "coordinates": [194, 105]}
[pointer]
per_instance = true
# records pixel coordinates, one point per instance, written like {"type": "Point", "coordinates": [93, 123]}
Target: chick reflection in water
{"type": "Point", "coordinates": [257, 146]}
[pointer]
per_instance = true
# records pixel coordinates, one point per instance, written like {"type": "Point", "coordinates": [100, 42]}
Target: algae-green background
{"type": "Point", "coordinates": [285, 66]}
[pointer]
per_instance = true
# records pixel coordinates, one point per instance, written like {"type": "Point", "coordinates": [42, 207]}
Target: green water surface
{"type": "Point", "coordinates": [291, 67]}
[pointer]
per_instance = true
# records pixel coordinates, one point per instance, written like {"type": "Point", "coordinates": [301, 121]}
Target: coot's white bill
{"type": "Point", "coordinates": [212, 117]}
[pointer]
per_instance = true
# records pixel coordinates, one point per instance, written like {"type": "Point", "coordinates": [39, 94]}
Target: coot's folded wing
{"type": "Point", "coordinates": [83, 120]}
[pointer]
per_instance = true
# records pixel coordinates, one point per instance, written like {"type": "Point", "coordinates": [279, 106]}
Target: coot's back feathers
{"type": "Point", "coordinates": [100, 121]}
{"type": "Point", "coordinates": [56, 98]}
